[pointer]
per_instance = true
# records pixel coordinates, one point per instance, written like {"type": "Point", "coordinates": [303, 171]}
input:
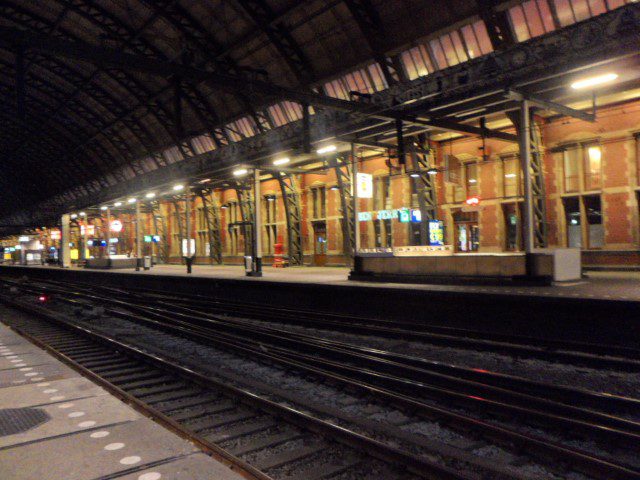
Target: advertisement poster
{"type": "Point", "coordinates": [364, 183]}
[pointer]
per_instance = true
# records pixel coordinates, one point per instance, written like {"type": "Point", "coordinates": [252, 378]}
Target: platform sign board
{"type": "Point", "coordinates": [91, 229]}
{"type": "Point", "coordinates": [364, 185]}
{"type": "Point", "coordinates": [156, 239]}
{"type": "Point", "coordinates": [387, 214]}
{"type": "Point", "coordinates": [147, 239]}
{"type": "Point", "coordinates": [364, 216]}
{"type": "Point", "coordinates": [404, 215]}
{"type": "Point", "coordinates": [416, 215]}
{"type": "Point", "coordinates": [436, 232]}
{"type": "Point", "coordinates": [56, 235]}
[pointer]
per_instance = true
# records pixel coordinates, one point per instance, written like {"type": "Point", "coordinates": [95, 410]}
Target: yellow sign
{"type": "Point", "coordinates": [364, 184]}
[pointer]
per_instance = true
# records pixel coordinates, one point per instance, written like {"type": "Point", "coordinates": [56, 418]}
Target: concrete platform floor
{"type": "Point", "coordinates": [80, 431]}
{"type": "Point", "coordinates": [596, 285]}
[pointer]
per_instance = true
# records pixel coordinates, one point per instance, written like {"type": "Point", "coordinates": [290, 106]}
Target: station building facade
{"type": "Point", "coordinates": [591, 178]}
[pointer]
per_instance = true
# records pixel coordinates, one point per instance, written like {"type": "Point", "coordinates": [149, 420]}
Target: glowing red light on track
{"type": "Point", "coordinates": [43, 298]}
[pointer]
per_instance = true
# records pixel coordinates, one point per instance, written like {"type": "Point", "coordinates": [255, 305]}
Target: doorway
{"type": "Point", "coordinates": [319, 244]}
{"type": "Point", "coordinates": [512, 227]}
{"type": "Point", "coordinates": [467, 232]}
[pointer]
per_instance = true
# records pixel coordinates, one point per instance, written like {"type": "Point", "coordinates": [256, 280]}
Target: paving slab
{"type": "Point", "coordinates": [94, 454]}
{"type": "Point", "coordinates": [92, 412]}
{"type": "Point", "coordinates": [20, 360]}
{"type": "Point", "coordinates": [45, 393]}
{"type": "Point", "coordinates": [194, 467]}
{"type": "Point", "coordinates": [43, 373]}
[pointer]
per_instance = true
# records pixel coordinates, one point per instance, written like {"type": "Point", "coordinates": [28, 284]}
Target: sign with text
{"type": "Point", "coordinates": [364, 184]}
{"type": "Point", "coordinates": [436, 232]}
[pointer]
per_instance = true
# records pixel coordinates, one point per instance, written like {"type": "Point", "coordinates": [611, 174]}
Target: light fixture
{"type": "Point", "coordinates": [82, 214]}
{"type": "Point", "coordinates": [205, 180]}
{"type": "Point", "coordinates": [594, 81]}
{"type": "Point", "coordinates": [150, 195]}
{"type": "Point", "coordinates": [103, 208]}
{"type": "Point", "coordinates": [335, 187]}
{"type": "Point", "coordinates": [178, 187]}
{"type": "Point", "coordinates": [432, 171]}
{"type": "Point", "coordinates": [271, 198]}
{"type": "Point", "coordinates": [224, 207]}
{"type": "Point", "coordinates": [241, 171]}
{"type": "Point", "coordinates": [131, 200]}
{"type": "Point", "coordinates": [117, 204]}
{"type": "Point", "coordinates": [414, 175]}
{"type": "Point", "coordinates": [510, 175]}
{"type": "Point", "coordinates": [327, 149]}
{"type": "Point", "coordinates": [473, 180]}
{"type": "Point", "coordinates": [281, 161]}
{"type": "Point", "coordinates": [73, 215]}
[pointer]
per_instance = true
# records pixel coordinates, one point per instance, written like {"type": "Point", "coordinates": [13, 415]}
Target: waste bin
{"type": "Point", "coordinates": [146, 262]}
{"type": "Point", "coordinates": [248, 260]}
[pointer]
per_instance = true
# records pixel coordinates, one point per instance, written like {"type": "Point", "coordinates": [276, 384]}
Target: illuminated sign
{"type": "Point", "coordinates": [387, 214]}
{"type": "Point", "coordinates": [472, 201]}
{"type": "Point", "coordinates": [147, 239]}
{"type": "Point", "coordinates": [416, 216]}
{"type": "Point", "coordinates": [192, 250]}
{"type": "Point", "coordinates": [116, 226]}
{"type": "Point", "coordinates": [364, 216]}
{"type": "Point", "coordinates": [23, 239]}
{"type": "Point", "coordinates": [156, 239]}
{"type": "Point", "coordinates": [436, 232]}
{"type": "Point", "coordinates": [56, 235]}
{"type": "Point", "coordinates": [91, 229]}
{"type": "Point", "coordinates": [364, 184]}
{"type": "Point", "coordinates": [113, 240]}
{"type": "Point", "coordinates": [404, 215]}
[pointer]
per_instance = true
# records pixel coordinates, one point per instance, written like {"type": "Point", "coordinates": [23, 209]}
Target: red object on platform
{"type": "Point", "coordinates": [278, 254]}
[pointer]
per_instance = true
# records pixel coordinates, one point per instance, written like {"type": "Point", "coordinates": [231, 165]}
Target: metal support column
{"type": "Point", "coordinates": [211, 209]}
{"type": "Point", "coordinates": [108, 232]}
{"type": "Point", "coordinates": [292, 208]}
{"type": "Point", "coordinates": [65, 252]}
{"type": "Point", "coordinates": [256, 260]}
{"type": "Point", "coordinates": [525, 161]}
{"type": "Point", "coordinates": [343, 172]}
{"type": "Point", "coordinates": [189, 255]}
{"type": "Point", "coordinates": [84, 255]}
{"type": "Point", "coordinates": [424, 184]}
{"type": "Point", "coordinates": [160, 228]}
{"type": "Point", "coordinates": [138, 238]}
{"type": "Point", "coordinates": [354, 198]}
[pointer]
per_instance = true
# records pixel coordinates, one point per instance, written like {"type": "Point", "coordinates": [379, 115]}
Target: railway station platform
{"type": "Point", "coordinates": [56, 424]}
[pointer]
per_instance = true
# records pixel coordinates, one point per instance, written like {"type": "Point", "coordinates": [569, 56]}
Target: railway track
{"type": "Point", "coordinates": [395, 383]}
{"type": "Point", "coordinates": [591, 355]}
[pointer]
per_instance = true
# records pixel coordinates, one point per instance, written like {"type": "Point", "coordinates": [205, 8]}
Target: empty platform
{"type": "Point", "coordinates": [58, 425]}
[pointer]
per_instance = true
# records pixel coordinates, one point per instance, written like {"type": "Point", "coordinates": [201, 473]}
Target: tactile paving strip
{"type": "Point", "coordinates": [18, 420]}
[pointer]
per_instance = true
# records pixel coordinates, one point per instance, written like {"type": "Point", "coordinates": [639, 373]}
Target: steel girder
{"type": "Point", "coordinates": [243, 192]}
{"type": "Point", "coordinates": [293, 213]}
{"type": "Point", "coordinates": [425, 185]}
{"type": "Point", "coordinates": [279, 35]}
{"type": "Point", "coordinates": [370, 24]}
{"type": "Point", "coordinates": [179, 215]}
{"type": "Point", "coordinates": [211, 209]}
{"type": "Point", "coordinates": [344, 174]}
{"type": "Point", "coordinates": [160, 227]}
{"type": "Point", "coordinates": [537, 179]}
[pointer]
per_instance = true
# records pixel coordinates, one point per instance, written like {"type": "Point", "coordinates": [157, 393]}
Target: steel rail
{"type": "Point", "coordinates": [592, 463]}
{"type": "Point", "coordinates": [386, 453]}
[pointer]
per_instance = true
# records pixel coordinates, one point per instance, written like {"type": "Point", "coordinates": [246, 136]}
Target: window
{"type": "Point", "coordinates": [593, 211]}
{"type": "Point", "coordinates": [571, 165]}
{"type": "Point", "coordinates": [417, 62]}
{"type": "Point", "coordinates": [383, 229]}
{"type": "Point", "coordinates": [471, 178]}
{"type": "Point", "coordinates": [592, 167]}
{"type": "Point", "coordinates": [271, 230]}
{"type": "Point", "coordinates": [364, 80]}
{"type": "Point", "coordinates": [476, 39]}
{"type": "Point", "coordinates": [512, 182]}
{"type": "Point", "coordinates": [581, 234]}
{"type": "Point", "coordinates": [318, 203]}
{"type": "Point", "coordinates": [572, 11]}
{"type": "Point", "coordinates": [203, 232]}
{"type": "Point", "coordinates": [233, 217]}
{"type": "Point", "coordinates": [453, 168]}
{"type": "Point", "coordinates": [531, 19]}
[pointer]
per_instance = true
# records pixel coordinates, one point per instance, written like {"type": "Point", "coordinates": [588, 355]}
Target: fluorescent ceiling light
{"type": "Point", "coordinates": [150, 195]}
{"type": "Point", "coordinates": [117, 204]}
{"type": "Point", "coordinates": [594, 81]}
{"type": "Point", "coordinates": [73, 215]}
{"type": "Point", "coordinates": [103, 208]}
{"type": "Point", "coordinates": [131, 200]}
{"type": "Point", "coordinates": [281, 161]}
{"type": "Point", "coordinates": [472, 180]}
{"type": "Point", "coordinates": [510, 175]}
{"type": "Point", "coordinates": [178, 187]}
{"type": "Point", "coordinates": [206, 180]}
{"type": "Point", "coordinates": [327, 149]}
{"type": "Point", "coordinates": [240, 171]}
{"type": "Point", "coordinates": [415, 175]}
{"type": "Point", "coordinates": [432, 171]}
{"type": "Point", "coordinates": [82, 214]}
